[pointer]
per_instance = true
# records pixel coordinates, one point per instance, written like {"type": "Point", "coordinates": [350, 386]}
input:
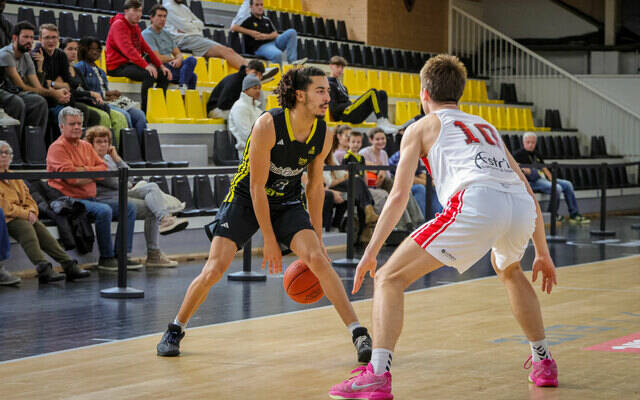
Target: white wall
{"type": "Point", "coordinates": [625, 89]}
{"type": "Point", "coordinates": [527, 18]}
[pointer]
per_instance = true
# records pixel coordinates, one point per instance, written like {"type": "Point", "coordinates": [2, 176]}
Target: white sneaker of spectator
{"type": "Point", "coordinates": [6, 119]}
{"type": "Point", "coordinates": [386, 126]}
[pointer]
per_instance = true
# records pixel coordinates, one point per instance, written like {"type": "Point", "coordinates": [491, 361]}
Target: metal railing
{"type": "Point", "coordinates": [121, 290]}
{"type": "Point", "coordinates": [503, 60]}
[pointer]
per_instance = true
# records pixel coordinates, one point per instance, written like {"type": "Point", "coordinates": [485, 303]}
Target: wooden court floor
{"type": "Point", "coordinates": [459, 342]}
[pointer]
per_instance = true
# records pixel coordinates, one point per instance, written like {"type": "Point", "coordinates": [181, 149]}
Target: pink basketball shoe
{"type": "Point", "coordinates": [365, 386]}
{"type": "Point", "coordinates": [544, 373]}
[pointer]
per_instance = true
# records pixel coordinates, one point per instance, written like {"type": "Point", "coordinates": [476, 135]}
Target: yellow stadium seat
{"type": "Point", "coordinates": [361, 81]}
{"type": "Point", "coordinates": [513, 119]}
{"type": "Point", "coordinates": [494, 117]}
{"type": "Point", "coordinates": [287, 5]}
{"type": "Point", "coordinates": [229, 69]}
{"type": "Point", "coordinates": [474, 109]}
{"type": "Point", "coordinates": [194, 107]}
{"type": "Point", "coordinates": [402, 112]}
{"type": "Point", "coordinates": [396, 85]}
{"type": "Point", "coordinates": [102, 62]}
{"type": "Point", "coordinates": [415, 85]}
{"type": "Point", "coordinates": [157, 108]}
{"type": "Point", "coordinates": [385, 82]}
{"type": "Point", "coordinates": [297, 5]}
{"type": "Point", "coordinates": [176, 105]}
{"type": "Point", "coordinates": [466, 94]}
{"type": "Point", "coordinates": [481, 92]}
{"type": "Point", "coordinates": [414, 109]}
{"type": "Point", "coordinates": [349, 80]}
{"type": "Point", "coordinates": [201, 71]}
{"type": "Point", "coordinates": [373, 79]}
{"type": "Point", "coordinates": [485, 113]}
{"type": "Point", "coordinates": [216, 70]}
{"type": "Point", "coordinates": [465, 108]}
{"type": "Point", "coordinates": [205, 99]}
{"type": "Point", "coordinates": [503, 119]}
{"type": "Point", "coordinates": [118, 79]}
{"type": "Point", "coordinates": [407, 86]}
{"type": "Point", "coordinates": [272, 102]}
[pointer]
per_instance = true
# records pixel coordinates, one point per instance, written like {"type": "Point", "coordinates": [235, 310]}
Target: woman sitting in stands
{"type": "Point", "coordinates": [89, 52]}
{"type": "Point", "coordinates": [148, 198]}
{"type": "Point", "coordinates": [21, 215]}
{"type": "Point", "coordinates": [91, 100]}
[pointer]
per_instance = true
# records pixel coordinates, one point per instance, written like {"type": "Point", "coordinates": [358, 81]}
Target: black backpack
{"type": "Point", "coordinates": [81, 229]}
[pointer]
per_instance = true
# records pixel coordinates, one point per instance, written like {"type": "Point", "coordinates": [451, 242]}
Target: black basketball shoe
{"type": "Point", "coordinates": [169, 346]}
{"type": "Point", "coordinates": [362, 341]}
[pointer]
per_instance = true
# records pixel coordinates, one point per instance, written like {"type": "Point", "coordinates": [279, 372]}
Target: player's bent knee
{"type": "Point", "coordinates": [212, 272]}
{"type": "Point", "coordinates": [384, 278]}
{"type": "Point", "coordinates": [316, 261]}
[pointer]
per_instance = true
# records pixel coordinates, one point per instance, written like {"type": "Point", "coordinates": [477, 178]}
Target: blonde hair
{"type": "Point", "coordinates": [444, 77]}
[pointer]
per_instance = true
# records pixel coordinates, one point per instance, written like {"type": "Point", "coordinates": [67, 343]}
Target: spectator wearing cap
{"type": "Point", "coordinates": [245, 112]}
{"type": "Point", "coordinates": [228, 90]}
{"type": "Point", "coordinates": [372, 101]}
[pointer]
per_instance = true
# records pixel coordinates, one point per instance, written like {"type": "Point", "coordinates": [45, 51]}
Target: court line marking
{"type": "Point", "coordinates": [281, 314]}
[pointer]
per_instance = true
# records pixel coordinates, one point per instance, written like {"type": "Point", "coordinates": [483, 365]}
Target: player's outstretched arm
{"type": "Point", "coordinates": [542, 262]}
{"type": "Point", "coordinates": [410, 149]}
{"type": "Point", "coordinates": [261, 141]}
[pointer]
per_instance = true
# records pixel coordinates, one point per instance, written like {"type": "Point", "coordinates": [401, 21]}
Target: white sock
{"type": "Point", "coordinates": [381, 360]}
{"type": "Point", "coordinates": [353, 326]}
{"type": "Point", "coordinates": [540, 350]}
{"type": "Point", "coordinates": [182, 325]}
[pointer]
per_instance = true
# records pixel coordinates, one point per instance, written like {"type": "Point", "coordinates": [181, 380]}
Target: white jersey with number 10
{"type": "Point", "coordinates": [469, 152]}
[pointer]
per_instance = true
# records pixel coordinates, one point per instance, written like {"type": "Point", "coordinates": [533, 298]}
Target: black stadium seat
{"type": "Point", "coordinates": [566, 147]}
{"type": "Point", "coordinates": [541, 147]}
{"type": "Point", "coordinates": [342, 31]}
{"type": "Point", "coordinates": [103, 28]}
{"type": "Point", "coordinates": [575, 147]}
{"type": "Point", "coordinates": [36, 157]}
{"type": "Point", "coordinates": [26, 14]}
{"type": "Point", "coordinates": [398, 60]}
{"type": "Point", "coordinates": [311, 52]}
{"type": "Point", "coordinates": [9, 135]}
{"type": "Point", "coordinates": [388, 59]}
{"type": "Point", "coordinates": [46, 17]}
{"type": "Point", "coordinates": [181, 190]}
{"type": "Point", "coordinates": [378, 57]}
{"type": "Point", "coordinates": [284, 21]}
{"type": "Point", "coordinates": [153, 152]}
{"type": "Point", "coordinates": [203, 198]}
{"type": "Point", "coordinates": [331, 30]}
{"type": "Point", "coordinates": [333, 49]}
{"type": "Point", "coordinates": [548, 142]}
{"type": "Point", "coordinates": [320, 27]}
{"type": "Point", "coordinates": [104, 5]}
{"type": "Point", "coordinates": [296, 22]}
{"type": "Point", "coordinates": [273, 17]}
{"type": "Point", "coordinates": [558, 147]}
{"type": "Point", "coordinates": [323, 51]}
{"type": "Point", "coordinates": [344, 52]}
{"type": "Point", "coordinates": [161, 181]}
{"type": "Point", "coordinates": [302, 51]}
{"type": "Point", "coordinates": [356, 55]}
{"type": "Point", "coordinates": [117, 5]}
{"type": "Point", "coordinates": [87, 5]}
{"type": "Point", "coordinates": [86, 27]}
{"type": "Point", "coordinates": [130, 148]}
{"type": "Point", "coordinates": [220, 36]}
{"type": "Point", "coordinates": [236, 43]}
{"type": "Point", "coordinates": [221, 184]}
{"type": "Point", "coordinates": [224, 149]}
{"type": "Point", "coordinates": [367, 56]}
{"type": "Point", "coordinates": [68, 3]}
{"type": "Point", "coordinates": [196, 8]}
{"type": "Point", "coordinates": [309, 28]}
{"type": "Point", "coordinates": [142, 25]}
{"type": "Point", "coordinates": [206, 32]}
{"type": "Point", "coordinates": [507, 142]}
{"type": "Point", "coordinates": [147, 4]}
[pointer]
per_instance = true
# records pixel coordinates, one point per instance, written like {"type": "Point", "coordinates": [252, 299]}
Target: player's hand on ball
{"type": "Point", "coordinates": [544, 265]}
{"type": "Point", "coordinates": [272, 256]}
{"type": "Point", "coordinates": [367, 264]}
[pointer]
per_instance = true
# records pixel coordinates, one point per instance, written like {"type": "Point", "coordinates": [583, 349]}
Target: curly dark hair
{"type": "Point", "coordinates": [84, 45]}
{"type": "Point", "coordinates": [295, 79]}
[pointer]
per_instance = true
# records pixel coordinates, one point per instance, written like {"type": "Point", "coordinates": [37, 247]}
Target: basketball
{"type": "Point", "coordinates": [301, 284]}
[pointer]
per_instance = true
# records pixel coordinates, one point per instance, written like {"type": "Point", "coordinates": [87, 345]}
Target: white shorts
{"type": "Point", "coordinates": [478, 219]}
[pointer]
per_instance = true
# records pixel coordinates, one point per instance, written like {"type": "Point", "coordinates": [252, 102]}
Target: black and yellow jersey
{"type": "Point", "coordinates": [289, 159]}
{"type": "Point", "coordinates": [353, 158]}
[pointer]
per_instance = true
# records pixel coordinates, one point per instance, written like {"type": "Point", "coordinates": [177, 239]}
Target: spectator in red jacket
{"type": "Point", "coordinates": [126, 47]}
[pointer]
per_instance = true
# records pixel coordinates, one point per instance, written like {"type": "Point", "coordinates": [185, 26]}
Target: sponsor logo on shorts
{"type": "Point", "coordinates": [485, 160]}
{"type": "Point", "coordinates": [225, 225]}
{"type": "Point", "coordinates": [280, 142]}
{"type": "Point", "coordinates": [447, 254]}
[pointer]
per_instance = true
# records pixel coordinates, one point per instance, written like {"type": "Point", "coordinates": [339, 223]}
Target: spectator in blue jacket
{"type": "Point", "coordinates": [89, 52]}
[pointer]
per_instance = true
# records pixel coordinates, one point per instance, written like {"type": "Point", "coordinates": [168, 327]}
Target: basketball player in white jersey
{"type": "Point", "coordinates": [490, 207]}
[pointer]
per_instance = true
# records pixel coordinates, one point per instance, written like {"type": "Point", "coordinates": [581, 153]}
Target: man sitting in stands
{"type": "Point", "coordinates": [69, 153]}
{"type": "Point", "coordinates": [263, 40]}
{"type": "Point", "coordinates": [24, 95]}
{"type": "Point", "coordinates": [125, 48]}
{"type": "Point", "coordinates": [228, 90]}
{"type": "Point", "coordinates": [372, 101]}
{"type": "Point", "coordinates": [245, 112]}
{"type": "Point", "coordinates": [166, 50]}
{"type": "Point", "coordinates": [540, 179]}
{"type": "Point", "coordinates": [186, 30]}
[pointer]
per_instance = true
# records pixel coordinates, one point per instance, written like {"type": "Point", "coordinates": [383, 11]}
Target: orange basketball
{"type": "Point", "coordinates": [301, 284]}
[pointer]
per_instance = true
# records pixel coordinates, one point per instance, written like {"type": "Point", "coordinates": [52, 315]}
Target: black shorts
{"type": "Point", "coordinates": [237, 221]}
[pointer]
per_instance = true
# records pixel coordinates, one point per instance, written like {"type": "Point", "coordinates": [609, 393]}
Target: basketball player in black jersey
{"type": "Point", "coordinates": [266, 193]}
